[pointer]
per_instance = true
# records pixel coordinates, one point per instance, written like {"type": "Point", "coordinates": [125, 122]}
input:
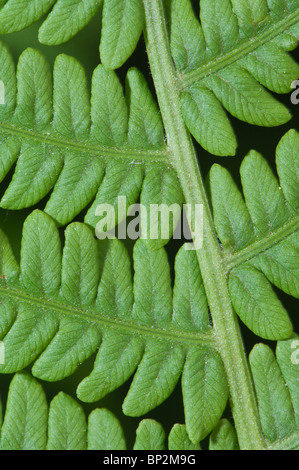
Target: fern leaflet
{"type": "Point", "coordinates": [58, 310]}
{"type": "Point", "coordinates": [266, 228]}
{"type": "Point", "coordinates": [29, 423]}
{"type": "Point", "coordinates": [59, 306]}
{"type": "Point", "coordinates": [63, 310]}
{"type": "Point", "coordinates": [87, 152]}
{"type": "Point", "coordinates": [228, 60]}
{"type": "Point", "coordinates": [122, 22]}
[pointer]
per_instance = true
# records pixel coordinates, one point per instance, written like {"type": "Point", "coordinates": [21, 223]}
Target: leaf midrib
{"type": "Point", "coordinates": [261, 245]}
{"type": "Point", "coordinates": [244, 48]}
{"type": "Point", "coordinates": [90, 315]}
{"type": "Point", "coordinates": [87, 147]}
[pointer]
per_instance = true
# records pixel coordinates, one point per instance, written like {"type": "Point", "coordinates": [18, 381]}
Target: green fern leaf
{"type": "Point", "coordinates": [66, 424]}
{"type": "Point", "coordinates": [228, 60]}
{"type": "Point", "coordinates": [257, 304]}
{"type": "Point", "coordinates": [223, 437]}
{"type": "Point", "coordinates": [104, 431]}
{"type": "Point", "coordinates": [63, 304]}
{"type": "Point", "coordinates": [87, 152]}
{"type": "Point", "coordinates": [154, 381]}
{"type": "Point", "coordinates": [178, 439]}
{"type": "Point", "coordinates": [149, 436]}
{"type": "Point", "coordinates": [86, 305]}
{"type": "Point", "coordinates": [204, 410]}
{"type": "Point", "coordinates": [161, 189]}
{"type": "Point", "coordinates": [25, 422]}
{"type": "Point", "coordinates": [120, 180]}
{"type": "Point", "coordinates": [115, 363]}
{"type": "Point", "coordinates": [61, 308]}
{"type": "Point", "coordinates": [122, 23]}
{"type": "Point", "coordinates": [109, 113]}
{"type": "Point", "coordinates": [66, 19]}
{"type": "Point", "coordinates": [15, 15]}
{"type": "Point", "coordinates": [277, 401]}
{"type": "Point", "coordinates": [259, 236]}
{"type": "Point", "coordinates": [285, 351]}
{"type": "Point", "coordinates": [122, 26]}
{"type": "Point", "coordinates": [29, 423]}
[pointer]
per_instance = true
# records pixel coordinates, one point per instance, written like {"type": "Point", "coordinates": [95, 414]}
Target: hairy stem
{"type": "Point", "coordinates": [242, 396]}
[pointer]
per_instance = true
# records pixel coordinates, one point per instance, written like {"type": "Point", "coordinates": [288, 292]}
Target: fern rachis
{"type": "Point", "coordinates": [67, 304]}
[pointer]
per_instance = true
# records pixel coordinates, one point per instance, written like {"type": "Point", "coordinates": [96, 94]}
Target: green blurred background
{"type": "Point", "coordinates": [85, 47]}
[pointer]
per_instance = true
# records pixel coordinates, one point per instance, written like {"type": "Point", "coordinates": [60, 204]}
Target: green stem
{"type": "Point", "coordinates": [226, 326]}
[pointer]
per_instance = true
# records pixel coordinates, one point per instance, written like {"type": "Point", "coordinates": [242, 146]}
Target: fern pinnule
{"type": "Point", "coordinates": [121, 23]}
{"type": "Point", "coordinates": [228, 60]}
{"type": "Point", "coordinates": [259, 236]}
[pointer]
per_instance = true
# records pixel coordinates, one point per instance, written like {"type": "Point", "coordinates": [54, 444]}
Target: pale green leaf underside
{"type": "Point", "coordinates": [223, 437]}
{"type": "Point", "coordinates": [150, 435]}
{"type": "Point", "coordinates": [59, 308]}
{"type": "Point", "coordinates": [25, 422]}
{"type": "Point", "coordinates": [260, 236]}
{"type": "Point", "coordinates": [86, 151]}
{"type": "Point", "coordinates": [274, 380]}
{"type": "Point", "coordinates": [62, 306]}
{"type": "Point", "coordinates": [121, 23]}
{"type": "Point", "coordinates": [228, 60]}
{"type": "Point", "coordinates": [251, 57]}
{"type": "Point", "coordinates": [73, 141]}
{"type": "Point", "coordinates": [29, 423]}
{"type": "Point", "coordinates": [179, 440]}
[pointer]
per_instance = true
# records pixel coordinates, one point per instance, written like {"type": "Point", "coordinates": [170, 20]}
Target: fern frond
{"type": "Point", "coordinates": [59, 306]}
{"type": "Point", "coordinates": [277, 392]}
{"type": "Point", "coordinates": [223, 437]}
{"type": "Point", "coordinates": [275, 379]}
{"type": "Point", "coordinates": [228, 60]}
{"type": "Point", "coordinates": [260, 236]}
{"type": "Point", "coordinates": [121, 27]}
{"type": "Point", "coordinates": [86, 152]}
{"type": "Point", "coordinates": [30, 424]}
{"type": "Point", "coordinates": [58, 309]}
